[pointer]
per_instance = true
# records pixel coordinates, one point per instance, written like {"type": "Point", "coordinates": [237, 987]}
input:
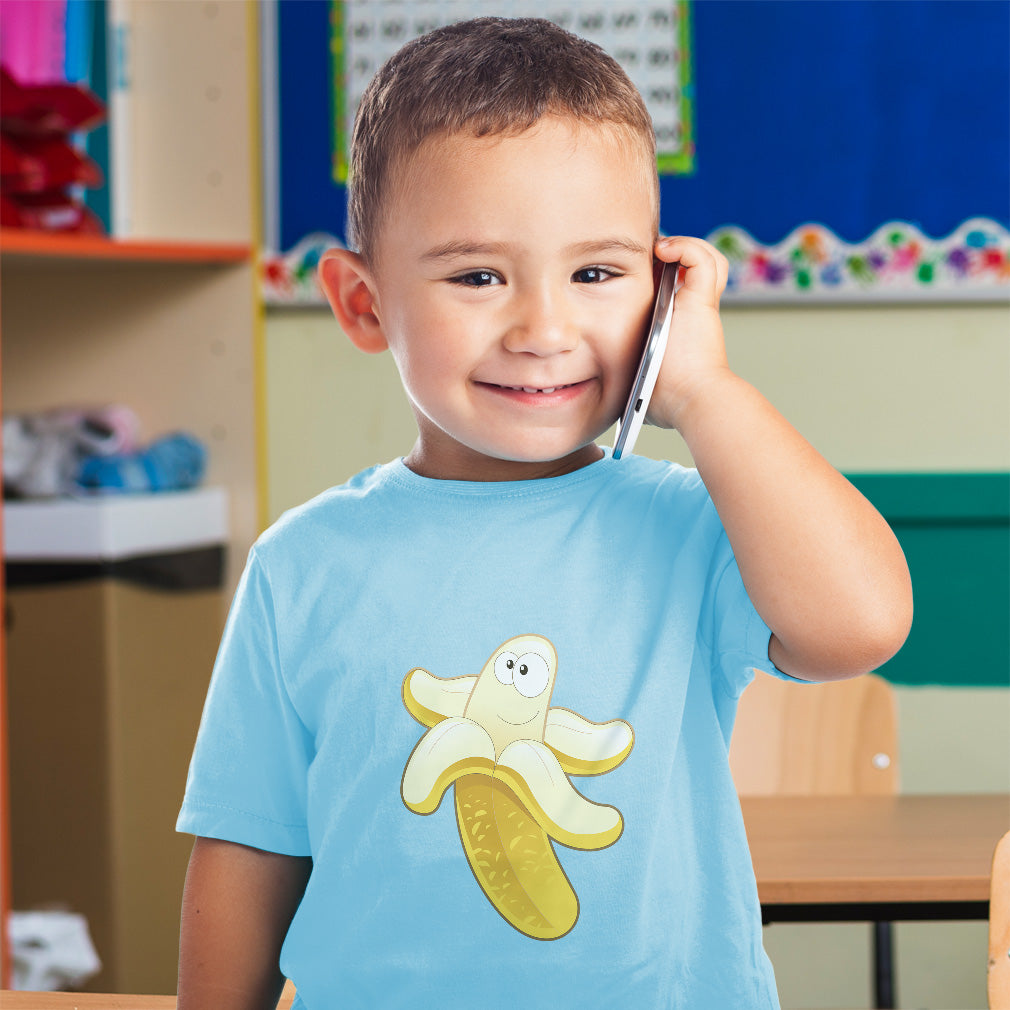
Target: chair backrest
{"type": "Point", "coordinates": [837, 738]}
{"type": "Point", "coordinates": [999, 927]}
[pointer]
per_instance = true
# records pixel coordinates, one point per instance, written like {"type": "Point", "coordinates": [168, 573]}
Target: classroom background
{"type": "Point", "coordinates": [852, 158]}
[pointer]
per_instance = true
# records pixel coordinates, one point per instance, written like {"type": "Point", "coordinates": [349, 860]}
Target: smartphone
{"type": "Point", "coordinates": [630, 422]}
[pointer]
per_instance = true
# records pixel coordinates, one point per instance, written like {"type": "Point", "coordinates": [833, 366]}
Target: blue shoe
{"type": "Point", "coordinates": [172, 463]}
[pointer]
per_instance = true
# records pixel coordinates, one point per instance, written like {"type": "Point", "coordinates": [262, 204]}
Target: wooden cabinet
{"type": "Point", "coordinates": [166, 321]}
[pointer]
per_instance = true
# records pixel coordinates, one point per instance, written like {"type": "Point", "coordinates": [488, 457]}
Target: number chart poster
{"type": "Point", "coordinates": [834, 150]}
{"type": "Point", "coordinates": [649, 40]}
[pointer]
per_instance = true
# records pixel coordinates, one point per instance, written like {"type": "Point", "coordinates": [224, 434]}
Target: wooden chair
{"type": "Point", "coordinates": [836, 739]}
{"type": "Point", "coordinates": [998, 981]}
{"type": "Point", "coordinates": [833, 739]}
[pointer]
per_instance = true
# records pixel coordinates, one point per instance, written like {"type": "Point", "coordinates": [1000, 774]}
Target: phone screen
{"type": "Point", "coordinates": [631, 420]}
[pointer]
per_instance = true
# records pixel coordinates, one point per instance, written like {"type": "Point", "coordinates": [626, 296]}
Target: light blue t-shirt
{"type": "Point", "coordinates": [389, 640]}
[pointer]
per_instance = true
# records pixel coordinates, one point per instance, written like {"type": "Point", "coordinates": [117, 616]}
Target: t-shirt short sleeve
{"type": "Point", "coordinates": [247, 779]}
{"type": "Point", "coordinates": [739, 637]}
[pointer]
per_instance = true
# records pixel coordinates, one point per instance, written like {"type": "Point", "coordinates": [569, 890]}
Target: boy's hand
{"type": "Point", "coordinates": [696, 352]}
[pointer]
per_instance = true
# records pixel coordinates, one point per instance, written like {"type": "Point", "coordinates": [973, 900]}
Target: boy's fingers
{"type": "Point", "coordinates": [705, 269]}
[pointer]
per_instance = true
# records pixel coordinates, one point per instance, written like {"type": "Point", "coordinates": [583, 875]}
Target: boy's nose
{"type": "Point", "coordinates": [542, 324]}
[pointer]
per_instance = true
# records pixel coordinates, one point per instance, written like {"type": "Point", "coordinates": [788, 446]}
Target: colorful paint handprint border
{"type": "Point", "coordinates": [897, 263]}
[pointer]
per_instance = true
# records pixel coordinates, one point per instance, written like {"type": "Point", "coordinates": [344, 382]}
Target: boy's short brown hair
{"type": "Point", "coordinates": [487, 76]}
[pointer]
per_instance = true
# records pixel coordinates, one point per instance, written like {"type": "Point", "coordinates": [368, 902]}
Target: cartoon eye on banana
{"type": "Point", "coordinates": [510, 754]}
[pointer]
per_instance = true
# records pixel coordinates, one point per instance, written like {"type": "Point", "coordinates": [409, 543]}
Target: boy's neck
{"type": "Point", "coordinates": [488, 469]}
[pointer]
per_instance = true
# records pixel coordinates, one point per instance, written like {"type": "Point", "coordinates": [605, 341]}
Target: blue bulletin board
{"type": "Point", "coordinates": [839, 148]}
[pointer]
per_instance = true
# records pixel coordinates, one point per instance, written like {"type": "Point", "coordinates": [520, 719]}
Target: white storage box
{"type": "Point", "coordinates": [114, 527]}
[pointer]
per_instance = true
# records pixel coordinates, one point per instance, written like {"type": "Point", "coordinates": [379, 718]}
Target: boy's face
{"type": "Point", "coordinates": [512, 282]}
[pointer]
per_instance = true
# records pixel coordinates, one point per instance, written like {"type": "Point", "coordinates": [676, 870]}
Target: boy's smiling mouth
{"type": "Point", "coordinates": [560, 388]}
{"type": "Point", "coordinates": [564, 396]}
{"type": "Point", "coordinates": [538, 389]}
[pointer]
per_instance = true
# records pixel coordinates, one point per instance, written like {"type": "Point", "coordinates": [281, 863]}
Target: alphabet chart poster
{"type": "Point", "coordinates": [651, 41]}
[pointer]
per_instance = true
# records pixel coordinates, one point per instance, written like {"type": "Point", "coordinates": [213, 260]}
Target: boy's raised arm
{"type": "Point", "coordinates": [821, 565]}
{"type": "Point", "coordinates": [236, 909]}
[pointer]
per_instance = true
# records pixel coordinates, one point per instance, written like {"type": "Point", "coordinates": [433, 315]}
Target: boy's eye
{"type": "Point", "coordinates": [477, 279]}
{"type": "Point", "coordinates": [592, 275]}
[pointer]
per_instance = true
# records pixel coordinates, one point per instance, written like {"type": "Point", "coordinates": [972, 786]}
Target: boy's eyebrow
{"type": "Point", "coordinates": [463, 247]}
{"type": "Point", "coordinates": [615, 244]}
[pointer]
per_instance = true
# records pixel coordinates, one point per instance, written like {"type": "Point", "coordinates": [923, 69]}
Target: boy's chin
{"type": "Point", "coordinates": [535, 464]}
{"type": "Point", "coordinates": [499, 463]}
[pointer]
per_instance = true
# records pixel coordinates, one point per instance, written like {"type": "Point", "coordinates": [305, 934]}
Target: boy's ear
{"type": "Point", "coordinates": [347, 283]}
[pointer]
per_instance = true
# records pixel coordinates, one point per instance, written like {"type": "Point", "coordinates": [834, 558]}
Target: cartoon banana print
{"type": "Point", "coordinates": [509, 755]}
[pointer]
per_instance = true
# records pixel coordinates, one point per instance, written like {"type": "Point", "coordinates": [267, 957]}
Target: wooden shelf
{"type": "Point", "coordinates": [165, 323]}
{"type": "Point", "coordinates": [23, 244]}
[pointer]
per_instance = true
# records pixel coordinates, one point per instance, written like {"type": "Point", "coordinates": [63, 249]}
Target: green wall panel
{"type": "Point", "coordinates": [955, 531]}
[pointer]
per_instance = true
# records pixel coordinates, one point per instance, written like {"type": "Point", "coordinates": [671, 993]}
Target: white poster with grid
{"type": "Point", "coordinates": [649, 38]}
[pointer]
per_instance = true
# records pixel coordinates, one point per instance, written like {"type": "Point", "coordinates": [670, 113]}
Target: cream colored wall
{"type": "Point", "coordinates": [330, 409]}
{"type": "Point", "coordinates": [886, 388]}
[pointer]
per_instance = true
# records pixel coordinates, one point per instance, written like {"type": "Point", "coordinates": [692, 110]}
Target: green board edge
{"type": "Point", "coordinates": [955, 531]}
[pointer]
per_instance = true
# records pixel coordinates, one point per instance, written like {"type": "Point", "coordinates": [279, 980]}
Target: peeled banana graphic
{"type": "Point", "coordinates": [509, 755]}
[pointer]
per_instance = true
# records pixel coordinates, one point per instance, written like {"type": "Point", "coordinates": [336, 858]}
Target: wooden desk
{"type": "Point", "coordinates": [96, 1001]}
{"type": "Point", "coordinates": [82, 1001]}
{"type": "Point", "coordinates": [874, 858]}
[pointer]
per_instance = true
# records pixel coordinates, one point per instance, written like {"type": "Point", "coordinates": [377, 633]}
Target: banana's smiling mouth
{"type": "Point", "coordinates": [525, 722]}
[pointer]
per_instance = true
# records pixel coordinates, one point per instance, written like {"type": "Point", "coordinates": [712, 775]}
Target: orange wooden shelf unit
{"type": "Point", "coordinates": [56, 245]}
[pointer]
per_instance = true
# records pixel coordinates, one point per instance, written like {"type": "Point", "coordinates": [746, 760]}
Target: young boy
{"type": "Point", "coordinates": [466, 740]}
